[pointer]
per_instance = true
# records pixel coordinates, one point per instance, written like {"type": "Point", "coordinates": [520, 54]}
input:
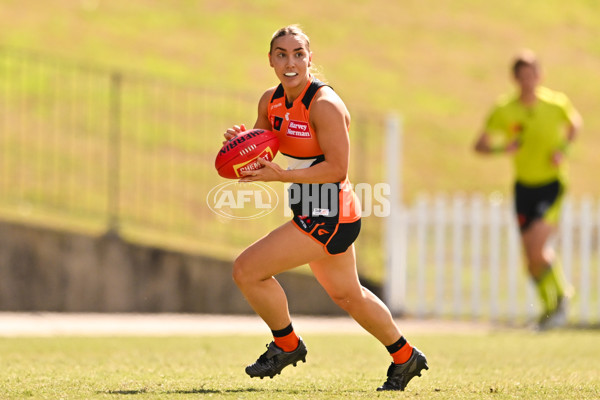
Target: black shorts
{"type": "Point", "coordinates": [336, 238]}
{"type": "Point", "coordinates": [537, 202]}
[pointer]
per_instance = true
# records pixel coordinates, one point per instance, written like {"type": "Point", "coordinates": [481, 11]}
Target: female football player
{"type": "Point", "coordinates": [312, 124]}
{"type": "Point", "coordinates": [536, 126]}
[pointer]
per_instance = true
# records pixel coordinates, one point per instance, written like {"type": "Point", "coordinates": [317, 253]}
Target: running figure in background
{"type": "Point", "coordinates": [536, 126]}
{"type": "Point", "coordinates": [312, 124]}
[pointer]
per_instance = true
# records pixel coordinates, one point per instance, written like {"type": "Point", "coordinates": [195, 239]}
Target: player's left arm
{"type": "Point", "coordinates": [574, 126]}
{"type": "Point", "coordinates": [575, 122]}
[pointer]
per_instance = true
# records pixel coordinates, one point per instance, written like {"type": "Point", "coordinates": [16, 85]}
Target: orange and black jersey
{"type": "Point", "coordinates": [298, 142]}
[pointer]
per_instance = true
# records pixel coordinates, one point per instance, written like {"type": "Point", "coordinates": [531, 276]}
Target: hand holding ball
{"type": "Point", "coordinates": [242, 152]}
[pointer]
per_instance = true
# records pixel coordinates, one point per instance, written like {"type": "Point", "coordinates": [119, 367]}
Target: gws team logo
{"type": "Point", "coordinates": [277, 122]}
{"type": "Point", "coordinates": [236, 200]}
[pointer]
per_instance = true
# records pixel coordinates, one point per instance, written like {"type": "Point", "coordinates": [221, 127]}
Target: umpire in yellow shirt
{"type": "Point", "coordinates": [536, 127]}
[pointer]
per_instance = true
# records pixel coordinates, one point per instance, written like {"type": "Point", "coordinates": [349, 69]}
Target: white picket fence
{"type": "Point", "coordinates": [460, 256]}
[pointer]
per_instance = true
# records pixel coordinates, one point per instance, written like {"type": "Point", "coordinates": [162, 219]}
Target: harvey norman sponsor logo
{"type": "Point", "coordinates": [298, 129]}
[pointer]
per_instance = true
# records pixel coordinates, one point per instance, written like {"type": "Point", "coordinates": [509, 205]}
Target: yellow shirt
{"type": "Point", "coordinates": [541, 130]}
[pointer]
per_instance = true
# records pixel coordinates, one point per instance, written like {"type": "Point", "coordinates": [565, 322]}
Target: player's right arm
{"type": "Point", "coordinates": [262, 119]}
{"type": "Point", "coordinates": [500, 142]}
{"type": "Point", "coordinates": [484, 145]}
{"type": "Point", "coordinates": [493, 138]}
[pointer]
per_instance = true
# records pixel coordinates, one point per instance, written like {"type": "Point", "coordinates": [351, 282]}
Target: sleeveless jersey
{"type": "Point", "coordinates": [335, 201]}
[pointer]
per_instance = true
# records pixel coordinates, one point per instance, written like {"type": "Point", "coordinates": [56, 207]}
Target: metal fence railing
{"type": "Point", "coordinates": [135, 155]}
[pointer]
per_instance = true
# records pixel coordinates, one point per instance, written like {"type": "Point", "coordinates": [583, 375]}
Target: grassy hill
{"type": "Point", "coordinates": [439, 64]}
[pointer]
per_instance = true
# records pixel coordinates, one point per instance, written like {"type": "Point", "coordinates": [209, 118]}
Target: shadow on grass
{"type": "Point", "coordinates": [190, 391]}
{"type": "Point", "coordinates": [206, 391]}
{"type": "Point", "coordinates": [133, 391]}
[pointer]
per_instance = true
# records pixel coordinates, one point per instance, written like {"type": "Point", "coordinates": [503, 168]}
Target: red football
{"type": "Point", "coordinates": [241, 153]}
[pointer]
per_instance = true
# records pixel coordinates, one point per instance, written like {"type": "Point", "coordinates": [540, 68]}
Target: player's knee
{"type": "Point", "coordinates": [241, 271]}
{"type": "Point", "coordinates": [537, 269]}
{"type": "Point", "coordinates": [345, 300]}
{"type": "Point", "coordinates": [344, 303]}
{"type": "Point", "coordinates": [537, 260]}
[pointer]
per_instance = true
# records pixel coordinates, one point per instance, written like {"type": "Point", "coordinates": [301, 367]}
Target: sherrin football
{"type": "Point", "coordinates": [242, 152]}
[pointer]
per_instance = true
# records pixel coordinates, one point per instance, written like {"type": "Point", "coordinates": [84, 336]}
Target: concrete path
{"type": "Point", "coordinates": [96, 324]}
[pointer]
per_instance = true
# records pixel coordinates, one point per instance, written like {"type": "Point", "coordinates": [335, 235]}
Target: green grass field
{"type": "Point", "coordinates": [501, 365]}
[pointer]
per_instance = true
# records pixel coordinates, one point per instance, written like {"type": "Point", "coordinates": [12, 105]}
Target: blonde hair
{"type": "Point", "coordinates": [290, 30]}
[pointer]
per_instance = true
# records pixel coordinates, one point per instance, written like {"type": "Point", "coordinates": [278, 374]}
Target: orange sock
{"type": "Point", "coordinates": [400, 351]}
{"type": "Point", "coordinates": [286, 339]}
